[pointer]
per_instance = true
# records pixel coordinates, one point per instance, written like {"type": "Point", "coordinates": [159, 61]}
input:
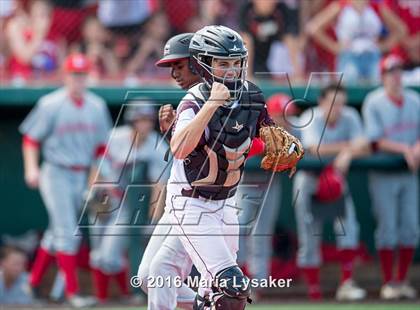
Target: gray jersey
{"type": "Point", "coordinates": [69, 134]}
{"type": "Point", "coordinates": [18, 293]}
{"type": "Point", "coordinates": [121, 155]}
{"type": "Point", "coordinates": [394, 195]}
{"type": "Point", "coordinates": [347, 127]}
{"type": "Point", "coordinates": [384, 119]}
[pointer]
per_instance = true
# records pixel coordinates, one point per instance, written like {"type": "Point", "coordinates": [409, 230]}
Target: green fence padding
{"type": "Point", "coordinates": [14, 96]}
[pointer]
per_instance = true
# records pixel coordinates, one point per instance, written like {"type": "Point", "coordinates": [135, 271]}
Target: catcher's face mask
{"type": "Point", "coordinates": [230, 71]}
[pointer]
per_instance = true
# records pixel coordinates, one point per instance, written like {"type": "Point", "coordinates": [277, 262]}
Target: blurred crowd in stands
{"type": "Point", "coordinates": [124, 38]}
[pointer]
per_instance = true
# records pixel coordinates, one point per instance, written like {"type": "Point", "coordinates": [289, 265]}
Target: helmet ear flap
{"type": "Point", "coordinates": [192, 67]}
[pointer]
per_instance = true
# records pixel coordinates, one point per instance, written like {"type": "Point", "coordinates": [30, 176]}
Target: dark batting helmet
{"type": "Point", "coordinates": [219, 42]}
{"type": "Point", "coordinates": [176, 48]}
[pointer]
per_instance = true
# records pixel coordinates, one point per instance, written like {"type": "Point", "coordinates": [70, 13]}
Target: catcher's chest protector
{"type": "Point", "coordinates": [214, 169]}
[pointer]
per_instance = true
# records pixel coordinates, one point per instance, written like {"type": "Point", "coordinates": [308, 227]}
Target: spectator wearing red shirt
{"type": "Point", "coordinates": [409, 48]}
{"type": "Point", "coordinates": [8, 7]}
{"type": "Point", "coordinates": [32, 49]}
{"type": "Point", "coordinates": [317, 59]}
{"type": "Point", "coordinates": [67, 19]}
{"type": "Point", "coordinates": [180, 13]}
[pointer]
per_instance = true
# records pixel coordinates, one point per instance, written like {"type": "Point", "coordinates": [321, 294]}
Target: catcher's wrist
{"type": "Point", "coordinates": [211, 106]}
{"type": "Point", "coordinates": [217, 101]}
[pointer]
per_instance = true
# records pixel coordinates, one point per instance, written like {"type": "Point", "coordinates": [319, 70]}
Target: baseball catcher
{"type": "Point", "coordinates": [215, 124]}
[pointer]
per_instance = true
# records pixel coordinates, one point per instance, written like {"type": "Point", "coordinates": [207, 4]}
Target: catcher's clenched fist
{"type": "Point", "coordinates": [219, 94]}
{"type": "Point", "coordinates": [282, 150]}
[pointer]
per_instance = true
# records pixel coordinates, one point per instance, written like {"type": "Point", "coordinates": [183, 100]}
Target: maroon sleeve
{"type": "Point", "coordinates": [264, 120]}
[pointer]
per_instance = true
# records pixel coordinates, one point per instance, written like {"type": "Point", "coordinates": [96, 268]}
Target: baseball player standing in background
{"type": "Point", "coordinates": [70, 126]}
{"type": "Point", "coordinates": [392, 120]}
{"type": "Point", "coordinates": [334, 130]}
{"type": "Point", "coordinates": [255, 248]}
{"type": "Point", "coordinates": [129, 145]}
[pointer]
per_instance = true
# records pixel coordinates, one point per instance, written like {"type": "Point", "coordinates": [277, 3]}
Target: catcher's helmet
{"type": "Point", "coordinates": [176, 48]}
{"type": "Point", "coordinates": [218, 42]}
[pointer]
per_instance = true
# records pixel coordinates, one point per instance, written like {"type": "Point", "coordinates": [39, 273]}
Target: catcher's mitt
{"type": "Point", "coordinates": [282, 150]}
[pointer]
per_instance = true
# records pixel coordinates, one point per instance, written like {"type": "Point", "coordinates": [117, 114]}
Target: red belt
{"type": "Point", "coordinates": [77, 168]}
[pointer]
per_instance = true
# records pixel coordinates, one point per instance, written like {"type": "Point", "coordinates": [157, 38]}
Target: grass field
{"type": "Point", "coordinates": [337, 307]}
{"type": "Point", "coordinates": [284, 306]}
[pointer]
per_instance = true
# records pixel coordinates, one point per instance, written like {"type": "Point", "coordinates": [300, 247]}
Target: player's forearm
{"type": "Point", "coordinates": [330, 149]}
{"type": "Point", "coordinates": [30, 157]}
{"type": "Point", "coordinates": [389, 146]}
{"type": "Point", "coordinates": [359, 148]}
{"type": "Point", "coordinates": [185, 140]}
{"type": "Point", "coordinates": [93, 176]}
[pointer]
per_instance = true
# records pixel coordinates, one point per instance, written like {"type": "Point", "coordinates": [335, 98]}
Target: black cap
{"type": "Point", "coordinates": [176, 48]}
